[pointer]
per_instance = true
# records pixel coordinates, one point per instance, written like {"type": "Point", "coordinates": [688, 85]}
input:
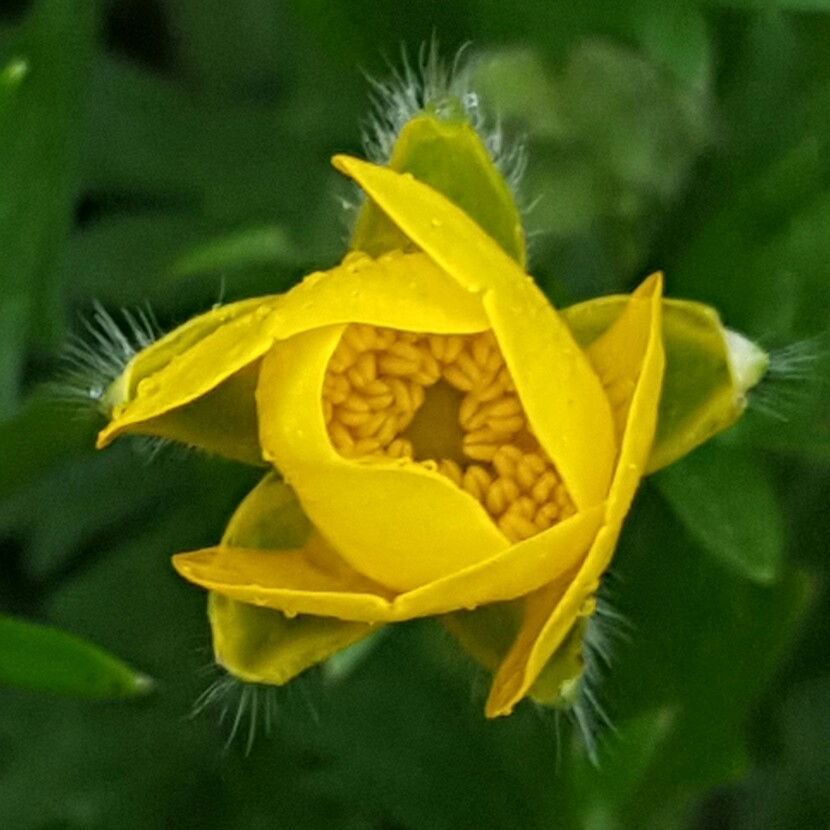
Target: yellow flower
{"type": "Point", "coordinates": [450, 442]}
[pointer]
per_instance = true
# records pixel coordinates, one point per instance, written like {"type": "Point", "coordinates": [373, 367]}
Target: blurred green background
{"type": "Point", "coordinates": [176, 152]}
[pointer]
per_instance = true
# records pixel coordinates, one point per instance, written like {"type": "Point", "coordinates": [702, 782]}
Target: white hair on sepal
{"type": "Point", "coordinates": [606, 628]}
{"type": "Point", "coordinates": [252, 710]}
{"type": "Point", "coordinates": [587, 716]}
{"type": "Point", "coordinates": [434, 84]}
{"type": "Point", "coordinates": [793, 375]}
{"type": "Point", "coordinates": [93, 360]}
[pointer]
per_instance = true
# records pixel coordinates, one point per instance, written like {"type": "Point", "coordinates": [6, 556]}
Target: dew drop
{"type": "Point", "coordinates": [436, 222]}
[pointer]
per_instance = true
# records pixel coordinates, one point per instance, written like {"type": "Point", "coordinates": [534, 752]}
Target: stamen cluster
{"type": "Point", "coordinates": [379, 379]}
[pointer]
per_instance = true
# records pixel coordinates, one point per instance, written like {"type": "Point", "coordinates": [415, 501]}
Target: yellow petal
{"type": "Point", "coordinates": [702, 391]}
{"type": "Point", "coordinates": [397, 290]}
{"type": "Point", "coordinates": [397, 522]}
{"type": "Point", "coordinates": [222, 422]}
{"type": "Point", "coordinates": [551, 612]}
{"type": "Point", "coordinates": [189, 363]}
{"type": "Point", "coordinates": [561, 394]}
{"type": "Point", "coordinates": [261, 645]}
{"type": "Point", "coordinates": [315, 580]}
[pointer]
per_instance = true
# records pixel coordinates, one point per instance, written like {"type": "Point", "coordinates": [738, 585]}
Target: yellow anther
{"type": "Point", "coordinates": [340, 436]}
{"type": "Point", "coordinates": [383, 401]}
{"type": "Point", "coordinates": [376, 387]}
{"type": "Point", "coordinates": [364, 371]}
{"type": "Point", "coordinates": [430, 368]}
{"type": "Point", "coordinates": [350, 418]}
{"type": "Point", "coordinates": [361, 338]}
{"type": "Point", "coordinates": [476, 480]}
{"type": "Point", "coordinates": [485, 435]}
{"type": "Point", "coordinates": [503, 377]}
{"type": "Point", "coordinates": [489, 389]}
{"type": "Point", "coordinates": [545, 487]}
{"type": "Point", "coordinates": [455, 377]}
{"type": "Point", "coordinates": [475, 421]}
{"type": "Point", "coordinates": [505, 460]}
{"type": "Point", "coordinates": [506, 426]}
{"type": "Point", "coordinates": [482, 349]}
{"type": "Point", "coordinates": [379, 379]}
{"type": "Point", "coordinates": [469, 367]}
{"type": "Point", "coordinates": [451, 470]}
{"type": "Point", "coordinates": [400, 391]}
{"type": "Point", "coordinates": [469, 407]}
{"type": "Point", "coordinates": [371, 425]}
{"type": "Point", "coordinates": [480, 452]}
{"type": "Point", "coordinates": [400, 448]}
{"type": "Point", "coordinates": [388, 430]}
{"type": "Point", "coordinates": [524, 506]}
{"type": "Point", "coordinates": [500, 494]}
{"type": "Point", "coordinates": [406, 351]}
{"type": "Point", "coordinates": [356, 403]}
{"type": "Point", "coordinates": [529, 469]}
{"type": "Point", "coordinates": [454, 347]}
{"type": "Point", "coordinates": [437, 346]}
{"type": "Point", "coordinates": [389, 364]}
{"type": "Point", "coordinates": [416, 395]}
{"type": "Point", "coordinates": [505, 407]}
{"type": "Point", "coordinates": [365, 446]}
{"type": "Point", "coordinates": [516, 527]}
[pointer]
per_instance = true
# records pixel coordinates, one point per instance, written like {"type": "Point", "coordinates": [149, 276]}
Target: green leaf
{"type": "Point", "coordinates": [266, 245]}
{"type": "Point", "coordinates": [41, 436]}
{"type": "Point", "coordinates": [725, 499]}
{"type": "Point", "coordinates": [39, 152]}
{"type": "Point", "coordinates": [45, 659]}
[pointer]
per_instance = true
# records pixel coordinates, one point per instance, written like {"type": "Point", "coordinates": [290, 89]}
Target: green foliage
{"type": "Point", "coordinates": [177, 152]}
{"type": "Point", "coordinates": [725, 499]}
{"type": "Point", "coordinates": [47, 660]}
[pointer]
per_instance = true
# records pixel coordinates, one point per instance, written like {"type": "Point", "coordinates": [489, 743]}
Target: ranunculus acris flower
{"type": "Point", "coordinates": [450, 442]}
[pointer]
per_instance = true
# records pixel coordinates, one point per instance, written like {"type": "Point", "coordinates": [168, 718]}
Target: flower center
{"type": "Point", "coordinates": [448, 402]}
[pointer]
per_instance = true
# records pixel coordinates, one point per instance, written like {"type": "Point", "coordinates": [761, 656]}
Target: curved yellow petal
{"type": "Point", "coordinates": [152, 359]}
{"type": "Point", "coordinates": [316, 580]}
{"type": "Point", "coordinates": [551, 612]}
{"type": "Point", "coordinates": [223, 421]}
{"type": "Point", "coordinates": [397, 522]}
{"type": "Point", "coordinates": [398, 290]}
{"type": "Point", "coordinates": [189, 363]}
{"type": "Point", "coordinates": [561, 394]}
{"type": "Point", "coordinates": [702, 393]}
{"type": "Point", "coordinates": [261, 645]}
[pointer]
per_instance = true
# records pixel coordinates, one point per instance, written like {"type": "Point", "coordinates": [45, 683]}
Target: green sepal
{"type": "Point", "coordinates": [709, 371]}
{"type": "Point", "coordinates": [223, 421]}
{"type": "Point", "coordinates": [488, 632]}
{"type": "Point", "coordinates": [260, 645]}
{"type": "Point", "coordinates": [446, 153]}
{"type": "Point", "coordinates": [45, 659]}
